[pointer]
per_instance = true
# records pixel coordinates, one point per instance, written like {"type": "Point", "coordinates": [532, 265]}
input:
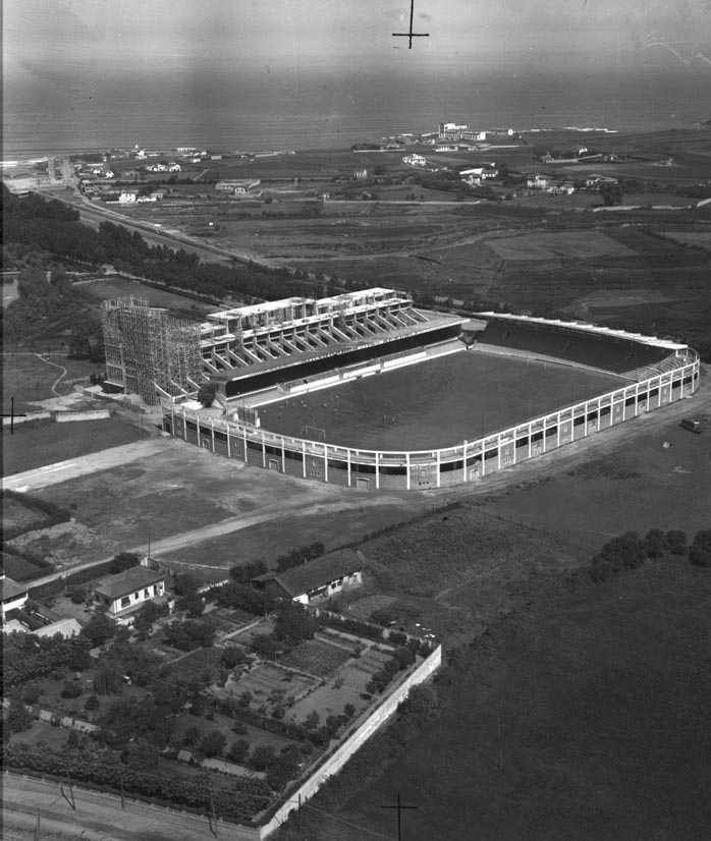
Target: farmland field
{"type": "Point", "coordinates": [571, 244]}
{"type": "Point", "coordinates": [702, 239]}
{"type": "Point", "coordinates": [436, 403]}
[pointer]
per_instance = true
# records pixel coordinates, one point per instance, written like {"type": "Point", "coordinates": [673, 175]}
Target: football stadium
{"type": "Point", "coordinates": [368, 391]}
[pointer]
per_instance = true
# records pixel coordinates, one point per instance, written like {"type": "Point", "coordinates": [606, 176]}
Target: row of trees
{"type": "Point", "coordinates": [629, 551]}
{"type": "Point", "coordinates": [52, 227]}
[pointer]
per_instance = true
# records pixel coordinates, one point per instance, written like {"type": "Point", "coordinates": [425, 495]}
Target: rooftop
{"type": "Point", "coordinates": [11, 589]}
{"type": "Point", "coordinates": [129, 581]}
{"type": "Point", "coordinates": [317, 573]}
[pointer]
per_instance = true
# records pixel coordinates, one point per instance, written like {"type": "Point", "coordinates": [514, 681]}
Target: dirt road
{"type": "Point", "coordinates": [63, 471]}
{"type": "Point", "coordinates": [98, 816]}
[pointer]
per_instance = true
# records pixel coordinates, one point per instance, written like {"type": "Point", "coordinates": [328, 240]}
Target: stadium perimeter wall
{"type": "Point", "coordinates": [425, 469]}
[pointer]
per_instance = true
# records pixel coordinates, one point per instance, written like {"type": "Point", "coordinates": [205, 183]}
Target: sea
{"type": "Point", "coordinates": [259, 111]}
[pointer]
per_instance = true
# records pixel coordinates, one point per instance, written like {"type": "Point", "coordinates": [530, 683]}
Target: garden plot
{"type": "Point", "coordinates": [317, 657]}
{"type": "Point", "coordinates": [348, 686]}
{"type": "Point", "coordinates": [269, 685]}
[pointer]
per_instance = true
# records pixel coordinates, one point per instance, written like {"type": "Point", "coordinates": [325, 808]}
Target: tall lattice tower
{"type": "Point", "coordinates": [148, 351]}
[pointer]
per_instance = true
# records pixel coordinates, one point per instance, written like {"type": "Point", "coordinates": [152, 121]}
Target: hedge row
{"type": "Point", "coordinates": [239, 800]}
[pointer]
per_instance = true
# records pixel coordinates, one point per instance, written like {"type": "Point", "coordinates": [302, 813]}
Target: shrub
{"type": "Point", "coordinates": [238, 751]}
{"type": "Point", "coordinates": [30, 693]}
{"type": "Point", "coordinates": [18, 718]}
{"type": "Point", "coordinates": [265, 645]}
{"type": "Point", "coordinates": [91, 703]}
{"type": "Point", "coordinates": [71, 689]}
{"type": "Point", "coordinates": [77, 594]}
{"type": "Point", "coordinates": [232, 656]}
{"type": "Point", "coordinates": [212, 743]}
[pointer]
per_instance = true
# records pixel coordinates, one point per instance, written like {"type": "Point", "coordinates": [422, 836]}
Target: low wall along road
{"type": "Point", "coordinates": [673, 379]}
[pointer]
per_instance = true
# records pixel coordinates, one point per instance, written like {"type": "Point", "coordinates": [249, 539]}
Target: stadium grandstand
{"type": "Point", "coordinates": [252, 348]}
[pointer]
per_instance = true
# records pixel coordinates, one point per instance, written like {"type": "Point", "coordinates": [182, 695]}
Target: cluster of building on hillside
{"type": "Point", "coordinates": [164, 167]}
{"type": "Point", "coordinates": [476, 175]}
{"type": "Point", "coordinates": [239, 187]}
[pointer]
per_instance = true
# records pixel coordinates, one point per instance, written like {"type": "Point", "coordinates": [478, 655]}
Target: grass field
{"type": "Point", "coordinates": [117, 287]}
{"type": "Point", "coordinates": [583, 717]}
{"type": "Point", "coordinates": [267, 543]}
{"type": "Point", "coordinates": [35, 444]}
{"type": "Point", "coordinates": [568, 244]}
{"type": "Point", "coordinates": [435, 403]}
{"type": "Point", "coordinates": [640, 485]}
{"type": "Point", "coordinates": [29, 379]}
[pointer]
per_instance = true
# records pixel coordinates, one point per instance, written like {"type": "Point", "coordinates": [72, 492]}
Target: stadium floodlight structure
{"type": "Point", "coordinates": [149, 352]}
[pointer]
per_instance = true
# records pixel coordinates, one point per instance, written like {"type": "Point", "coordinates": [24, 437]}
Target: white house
{"type": "Point", "coordinates": [316, 580]}
{"type": "Point", "coordinates": [127, 197]}
{"type": "Point", "coordinates": [128, 590]}
{"type": "Point", "coordinates": [14, 595]}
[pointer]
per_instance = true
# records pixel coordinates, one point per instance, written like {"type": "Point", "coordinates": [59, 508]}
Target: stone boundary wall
{"type": "Point", "coordinates": [93, 414]}
{"type": "Point", "coordinates": [333, 764]}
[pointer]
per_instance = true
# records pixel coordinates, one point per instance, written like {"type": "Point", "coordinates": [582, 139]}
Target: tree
{"type": "Point", "coordinates": [700, 551]}
{"type": "Point", "coordinates": [262, 756]}
{"type": "Point", "coordinates": [676, 542]}
{"type": "Point", "coordinates": [294, 623]}
{"type": "Point", "coordinates": [206, 394]}
{"type": "Point", "coordinates": [18, 717]}
{"type": "Point", "coordinates": [99, 629]}
{"type": "Point", "coordinates": [654, 543]}
{"type": "Point", "coordinates": [106, 681]}
{"type": "Point", "coordinates": [212, 743]}
{"type": "Point", "coordinates": [192, 603]}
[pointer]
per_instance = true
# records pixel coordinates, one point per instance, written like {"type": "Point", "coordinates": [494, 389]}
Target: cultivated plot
{"type": "Point", "coordinates": [573, 245]}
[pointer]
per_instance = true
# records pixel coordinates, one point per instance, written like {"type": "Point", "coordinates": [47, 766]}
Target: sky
{"type": "Point", "coordinates": [50, 38]}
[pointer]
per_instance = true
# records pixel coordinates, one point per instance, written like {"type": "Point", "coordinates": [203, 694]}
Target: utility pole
{"type": "Point", "coordinates": [399, 806]}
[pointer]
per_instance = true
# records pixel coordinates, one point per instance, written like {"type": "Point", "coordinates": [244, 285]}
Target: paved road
{"type": "Point", "coordinates": [99, 816]}
{"type": "Point", "coordinates": [63, 471]}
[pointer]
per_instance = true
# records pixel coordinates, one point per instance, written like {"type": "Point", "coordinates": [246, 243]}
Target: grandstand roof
{"type": "Point", "coordinates": [256, 309]}
{"type": "Point", "coordinates": [589, 328]}
{"type": "Point", "coordinates": [436, 321]}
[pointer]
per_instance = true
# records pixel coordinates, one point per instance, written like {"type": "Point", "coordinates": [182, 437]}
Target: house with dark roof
{"type": "Point", "coordinates": [126, 591]}
{"type": "Point", "coordinates": [14, 595]}
{"type": "Point", "coordinates": [316, 580]}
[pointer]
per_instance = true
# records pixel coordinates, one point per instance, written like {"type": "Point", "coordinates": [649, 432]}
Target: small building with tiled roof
{"type": "Point", "coordinates": [316, 580]}
{"type": "Point", "coordinates": [14, 595]}
{"type": "Point", "coordinates": [130, 589]}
